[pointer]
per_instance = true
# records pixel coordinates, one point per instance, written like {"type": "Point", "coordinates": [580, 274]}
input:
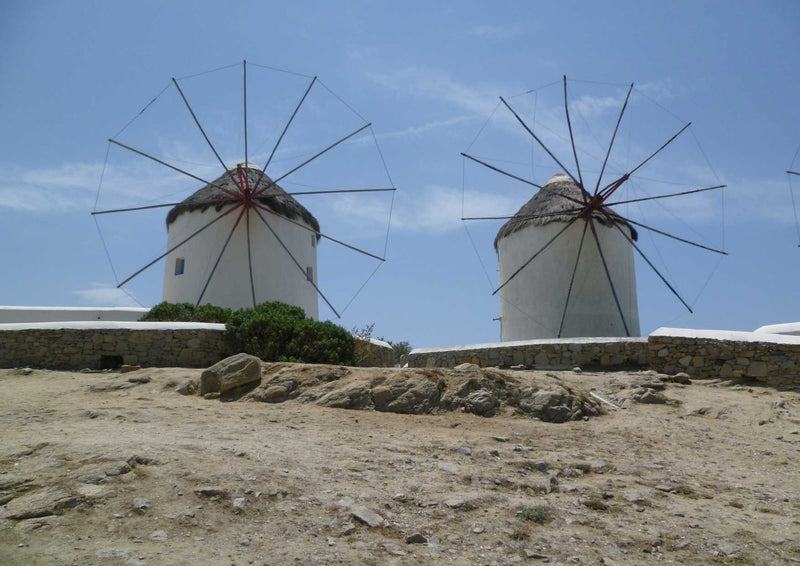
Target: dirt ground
{"type": "Point", "coordinates": [145, 476]}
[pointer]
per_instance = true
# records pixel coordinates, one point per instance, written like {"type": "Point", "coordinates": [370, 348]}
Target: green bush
{"type": "Point", "coordinates": [279, 332]}
{"type": "Point", "coordinates": [272, 331]}
{"type": "Point", "coordinates": [186, 312]}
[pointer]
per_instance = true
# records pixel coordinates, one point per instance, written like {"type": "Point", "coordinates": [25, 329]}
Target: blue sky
{"type": "Point", "coordinates": [427, 75]}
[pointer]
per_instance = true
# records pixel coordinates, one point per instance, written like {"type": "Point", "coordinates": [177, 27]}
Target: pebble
{"type": "Point", "coordinates": [393, 549]}
{"type": "Point", "coordinates": [140, 504]}
{"type": "Point", "coordinates": [464, 450]}
{"type": "Point", "coordinates": [500, 438]}
{"type": "Point", "coordinates": [448, 467]}
{"type": "Point", "coordinates": [239, 503]}
{"type": "Point", "coordinates": [400, 497]}
{"type": "Point", "coordinates": [158, 535]}
{"type": "Point", "coordinates": [478, 530]}
{"type": "Point", "coordinates": [416, 538]}
{"type": "Point", "coordinates": [368, 517]}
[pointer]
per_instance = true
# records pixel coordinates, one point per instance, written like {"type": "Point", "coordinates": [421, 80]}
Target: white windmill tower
{"type": "Point", "coordinates": [532, 304]}
{"type": "Point", "coordinates": [266, 223]}
{"type": "Point", "coordinates": [566, 257]}
{"type": "Point", "coordinates": [241, 239]}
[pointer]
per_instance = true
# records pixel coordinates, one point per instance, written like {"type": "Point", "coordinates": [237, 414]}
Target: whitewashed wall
{"type": "Point", "coordinates": [275, 275]}
{"type": "Point", "coordinates": [61, 314]}
{"type": "Point", "coordinates": [531, 305]}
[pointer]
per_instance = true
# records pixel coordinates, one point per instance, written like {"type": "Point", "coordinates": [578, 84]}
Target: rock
{"type": "Point", "coordinates": [230, 373]}
{"type": "Point", "coordinates": [599, 467]}
{"type": "Point", "coordinates": [140, 504]}
{"type": "Point", "coordinates": [549, 406]}
{"type": "Point", "coordinates": [139, 379]}
{"type": "Point", "coordinates": [348, 528]}
{"type": "Point", "coordinates": [478, 530]}
{"type": "Point", "coordinates": [518, 367]}
{"type": "Point", "coordinates": [367, 516]}
{"type": "Point", "coordinates": [275, 394]}
{"type": "Point", "coordinates": [239, 504]}
{"type": "Point", "coordinates": [500, 438]}
{"type": "Point", "coordinates": [27, 371]}
{"type": "Point", "coordinates": [187, 387]}
{"type": "Point", "coordinates": [393, 548]}
{"type": "Point", "coordinates": [124, 368]}
{"type": "Point", "coordinates": [681, 377]}
{"type": "Point", "coordinates": [448, 467]}
{"type": "Point", "coordinates": [577, 369]}
{"type": "Point", "coordinates": [358, 396]}
{"type": "Point", "coordinates": [91, 491]}
{"type": "Point", "coordinates": [531, 555]}
{"type": "Point", "coordinates": [418, 400]}
{"type": "Point", "coordinates": [210, 491]}
{"type": "Point", "coordinates": [466, 451]}
{"type": "Point", "coordinates": [649, 396]}
{"type": "Point", "coordinates": [463, 503]}
{"type": "Point", "coordinates": [481, 403]}
{"type": "Point", "coordinates": [47, 501]}
{"type": "Point", "coordinates": [466, 367]}
{"type": "Point", "coordinates": [158, 536]}
{"type": "Point", "coordinates": [416, 538]}
{"type": "Point", "coordinates": [401, 497]}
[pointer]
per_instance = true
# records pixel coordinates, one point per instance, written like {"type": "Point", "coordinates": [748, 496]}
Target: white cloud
{"type": "Point", "coordinates": [424, 82]}
{"type": "Point", "coordinates": [107, 296]}
{"type": "Point", "coordinates": [436, 209]}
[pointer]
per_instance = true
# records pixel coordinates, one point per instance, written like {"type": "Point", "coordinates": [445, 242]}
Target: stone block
{"type": "Point", "coordinates": [756, 369]}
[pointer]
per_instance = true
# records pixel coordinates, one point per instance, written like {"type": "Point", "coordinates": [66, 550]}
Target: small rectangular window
{"type": "Point", "coordinates": [313, 240]}
{"type": "Point", "coordinates": [310, 273]}
{"type": "Point", "coordinates": [180, 265]}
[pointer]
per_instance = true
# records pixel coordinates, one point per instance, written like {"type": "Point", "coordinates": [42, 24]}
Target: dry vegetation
{"type": "Point", "coordinates": [134, 473]}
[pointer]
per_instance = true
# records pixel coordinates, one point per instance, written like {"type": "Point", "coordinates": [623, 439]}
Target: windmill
{"type": "Point", "coordinates": [789, 174]}
{"type": "Point", "coordinates": [242, 238]}
{"type": "Point", "coordinates": [566, 257]}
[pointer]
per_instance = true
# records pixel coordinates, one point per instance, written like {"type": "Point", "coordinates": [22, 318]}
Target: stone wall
{"type": "Point", "coordinates": [77, 346]}
{"type": "Point", "coordinates": [769, 358]}
{"type": "Point", "coordinates": [587, 353]}
{"type": "Point", "coordinates": [373, 353]}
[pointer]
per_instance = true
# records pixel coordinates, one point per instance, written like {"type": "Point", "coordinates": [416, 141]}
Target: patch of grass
{"type": "Point", "coordinates": [686, 491]}
{"type": "Point", "coordinates": [736, 504]}
{"type": "Point", "coordinates": [596, 504]}
{"type": "Point", "coordinates": [582, 466]}
{"type": "Point", "coordinates": [538, 514]}
{"type": "Point", "coordinates": [519, 535]}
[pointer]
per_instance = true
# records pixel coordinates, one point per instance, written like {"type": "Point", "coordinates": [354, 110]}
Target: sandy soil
{"type": "Point", "coordinates": [146, 476]}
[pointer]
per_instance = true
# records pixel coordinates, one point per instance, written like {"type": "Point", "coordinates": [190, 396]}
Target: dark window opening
{"type": "Point", "coordinates": [310, 273]}
{"type": "Point", "coordinates": [110, 362]}
{"type": "Point", "coordinates": [180, 266]}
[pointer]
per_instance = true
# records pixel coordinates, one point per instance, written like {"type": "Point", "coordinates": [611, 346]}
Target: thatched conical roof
{"type": "Point", "coordinates": [274, 197]}
{"type": "Point", "coordinates": [549, 201]}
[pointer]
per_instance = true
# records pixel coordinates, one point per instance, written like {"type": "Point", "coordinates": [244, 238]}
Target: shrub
{"type": "Point", "coordinates": [276, 331]}
{"type": "Point", "coordinates": [170, 312]}
{"type": "Point", "coordinates": [537, 514]}
{"type": "Point", "coordinates": [187, 312]}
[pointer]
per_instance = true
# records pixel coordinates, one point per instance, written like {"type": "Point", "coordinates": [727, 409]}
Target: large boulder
{"type": "Point", "coordinates": [230, 373]}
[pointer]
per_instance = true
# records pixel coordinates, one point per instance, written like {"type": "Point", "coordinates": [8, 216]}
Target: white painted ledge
{"type": "Point", "coordinates": [789, 328]}
{"type": "Point", "coordinates": [735, 336]}
{"type": "Point", "coordinates": [111, 325]}
{"type": "Point", "coordinates": [522, 343]}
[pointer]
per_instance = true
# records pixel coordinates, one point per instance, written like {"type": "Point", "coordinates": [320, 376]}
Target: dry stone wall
{"type": "Point", "coordinates": [771, 359]}
{"type": "Point", "coordinates": [587, 353]}
{"type": "Point", "coordinates": [96, 348]}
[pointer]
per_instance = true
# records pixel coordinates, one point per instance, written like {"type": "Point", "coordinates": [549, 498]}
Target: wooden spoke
{"type": "Point", "coordinates": [219, 257]}
{"type": "Point", "coordinates": [608, 275]}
